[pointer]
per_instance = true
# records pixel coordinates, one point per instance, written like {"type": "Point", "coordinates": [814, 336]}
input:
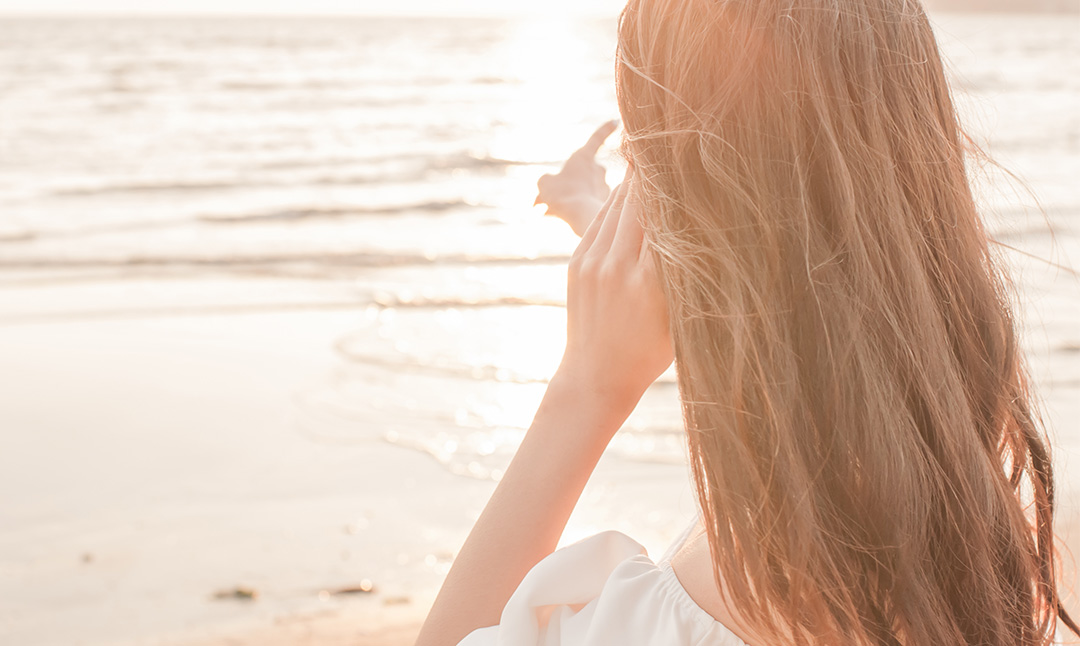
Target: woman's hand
{"type": "Point", "coordinates": [618, 338]}
{"type": "Point", "coordinates": [578, 191]}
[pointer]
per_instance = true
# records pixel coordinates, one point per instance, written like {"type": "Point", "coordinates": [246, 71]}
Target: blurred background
{"type": "Point", "coordinates": [276, 307]}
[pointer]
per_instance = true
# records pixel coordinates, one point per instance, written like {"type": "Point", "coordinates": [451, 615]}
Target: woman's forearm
{"type": "Point", "coordinates": [526, 515]}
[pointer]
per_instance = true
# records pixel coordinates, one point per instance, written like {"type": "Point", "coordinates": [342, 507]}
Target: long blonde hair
{"type": "Point", "coordinates": [868, 458]}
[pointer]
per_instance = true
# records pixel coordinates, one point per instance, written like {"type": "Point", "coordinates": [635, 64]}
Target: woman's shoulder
{"type": "Point", "coordinates": [601, 590]}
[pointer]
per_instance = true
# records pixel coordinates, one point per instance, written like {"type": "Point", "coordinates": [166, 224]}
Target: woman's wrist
{"type": "Point", "coordinates": [597, 411]}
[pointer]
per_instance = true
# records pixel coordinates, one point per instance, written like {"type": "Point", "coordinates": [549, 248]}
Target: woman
{"type": "Point", "coordinates": [797, 230]}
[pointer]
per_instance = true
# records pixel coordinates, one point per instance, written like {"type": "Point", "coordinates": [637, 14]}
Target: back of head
{"type": "Point", "coordinates": [861, 433]}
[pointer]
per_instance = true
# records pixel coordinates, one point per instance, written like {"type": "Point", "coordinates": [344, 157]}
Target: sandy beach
{"type": "Point", "coordinates": [171, 460]}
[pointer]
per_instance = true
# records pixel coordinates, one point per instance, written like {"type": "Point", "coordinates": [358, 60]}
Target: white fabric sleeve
{"type": "Point", "coordinates": [601, 591]}
{"type": "Point", "coordinates": [571, 576]}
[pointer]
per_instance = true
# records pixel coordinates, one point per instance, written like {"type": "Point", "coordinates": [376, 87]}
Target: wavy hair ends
{"type": "Point", "coordinates": [869, 459]}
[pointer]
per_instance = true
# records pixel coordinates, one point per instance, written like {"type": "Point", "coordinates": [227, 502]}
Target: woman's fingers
{"type": "Point", "coordinates": [626, 244]}
{"type": "Point", "coordinates": [610, 223]}
{"type": "Point", "coordinates": [593, 229]}
{"type": "Point", "coordinates": [592, 146]}
{"type": "Point", "coordinates": [579, 188]}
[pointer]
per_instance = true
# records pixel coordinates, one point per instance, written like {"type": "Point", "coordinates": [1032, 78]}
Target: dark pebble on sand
{"type": "Point", "coordinates": [239, 593]}
{"type": "Point", "coordinates": [364, 587]}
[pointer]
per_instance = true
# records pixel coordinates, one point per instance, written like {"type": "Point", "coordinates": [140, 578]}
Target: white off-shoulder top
{"type": "Point", "coordinates": [604, 590]}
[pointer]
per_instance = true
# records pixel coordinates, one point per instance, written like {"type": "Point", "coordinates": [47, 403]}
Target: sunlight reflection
{"type": "Point", "coordinates": [552, 65]}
